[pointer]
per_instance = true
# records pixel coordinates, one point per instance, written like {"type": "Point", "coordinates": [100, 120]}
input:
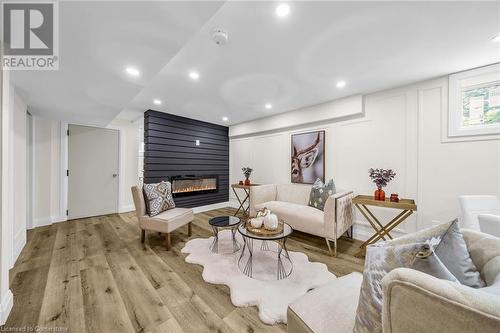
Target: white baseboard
{"type": "Point", "coordinates": [41, 221]}
{"type": "Point", "coordinates": [126, 208]}
{"type": "Point", "coordinates": [219, 205]}
{"type": "Point", "coordinates": [61, 218]}
{"type": "Point", "coordinates": [6, 306]}
{"type": "Point", "coordinates": [44, 221]}
{"type": "Point", "coordinates": [363, 231]}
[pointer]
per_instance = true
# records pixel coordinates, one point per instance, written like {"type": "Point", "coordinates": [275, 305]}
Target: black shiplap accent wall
{"type": "Point", "coordinates": [170, 150]}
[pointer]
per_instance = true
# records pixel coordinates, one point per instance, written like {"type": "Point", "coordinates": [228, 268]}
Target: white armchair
{"type": "Point", "coordinates": [481, 213]}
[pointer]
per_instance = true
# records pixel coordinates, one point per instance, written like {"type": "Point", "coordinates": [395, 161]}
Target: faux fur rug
{"type": "Point", "coordinates": [271, 297]}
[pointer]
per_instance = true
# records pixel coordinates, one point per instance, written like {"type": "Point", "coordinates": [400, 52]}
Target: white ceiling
{"type": "Point", "coordinates": [97, 41]}
{"type": "Point", "coordinates": [290, 62]}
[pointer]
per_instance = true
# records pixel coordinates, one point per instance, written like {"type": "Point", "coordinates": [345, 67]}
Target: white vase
{"type": "Point", "coordinates": [271, 222]}
{"type": "Point", "coordinates": [256, 222]}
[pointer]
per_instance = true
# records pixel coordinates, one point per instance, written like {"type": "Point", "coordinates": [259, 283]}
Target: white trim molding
{"type": "Point", "coordinates": [206, 208]}
{"type": "Point", "coordinates": [63, 200]}
{"type": "Point", "coordinates": [48, 220]}
{"type": "Point", "coordinates": [363, 231]}
{"type": "Point", "coordinates": [126, 208]}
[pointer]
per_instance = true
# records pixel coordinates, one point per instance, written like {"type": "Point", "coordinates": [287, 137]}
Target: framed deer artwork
{"type": "Point", "coordinates": [308, 157]}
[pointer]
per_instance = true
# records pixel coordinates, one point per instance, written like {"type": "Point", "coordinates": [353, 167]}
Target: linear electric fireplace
{"type": "Point", "coordinates": [189, 185]}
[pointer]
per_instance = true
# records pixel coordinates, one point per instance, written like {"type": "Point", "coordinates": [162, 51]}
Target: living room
{"type": "Point", "coordinates": [175, 167]}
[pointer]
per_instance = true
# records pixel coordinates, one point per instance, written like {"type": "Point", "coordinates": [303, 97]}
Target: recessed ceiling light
{"type": "Point", "coordinates": [268, 106]}
{"type": "Point", "coordinates": [340, 84]}
{"type": "Point", "coordinates": [225, 118]}
{"type": "Point", "coordinates": [194, 75]}
{"type": "Point", "coordinates": [496, 38]}
{"type": "Point", "coordinates": [282, 10]}
{"type": "Point", "coordinates": [132, 71]}
{"type": "Point", "coordinates": [157, 101]}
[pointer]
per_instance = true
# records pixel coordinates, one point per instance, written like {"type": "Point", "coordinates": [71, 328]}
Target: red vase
{"type": "Point", "coordinates": [247, 182]}
{"type": "Point", "coordinates": [379, 194]}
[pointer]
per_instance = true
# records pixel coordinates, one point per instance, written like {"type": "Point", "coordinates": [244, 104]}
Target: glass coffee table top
{"type": "Point", "coordinates": [224, 221]}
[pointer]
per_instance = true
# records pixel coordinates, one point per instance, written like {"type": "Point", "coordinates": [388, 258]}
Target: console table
{"type": "Point", "coordinates": [246, 189]}
{"type": "Point", "coordinates": [406, 207]}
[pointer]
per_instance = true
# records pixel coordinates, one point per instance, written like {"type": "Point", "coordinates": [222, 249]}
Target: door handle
{"type": "Point", "coordinates": [115, 175]}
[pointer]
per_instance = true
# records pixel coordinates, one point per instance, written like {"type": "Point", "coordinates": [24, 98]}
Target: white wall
{"type": "Point", "coordinates": [400, 129]}
{"type": "Point", "coordinates": [19, 173]}
{"type": "Point", "coordinates": [130, 137]}
{"type": "Point", "coordinates": [6, 225]}
{"type": "Point", "coordinates": [14, 196]}
{"type": "Point", "coordinates": [50, 155]}
{"type": "Point", "coordinates": [48, 205]}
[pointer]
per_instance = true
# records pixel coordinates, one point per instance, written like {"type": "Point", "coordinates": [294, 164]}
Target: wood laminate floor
{"type": "Point", "coordinates": [94, 275]}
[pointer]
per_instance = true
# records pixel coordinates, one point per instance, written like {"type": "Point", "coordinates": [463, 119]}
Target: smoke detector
{"type": "Point", "coordinates": [219, 36]}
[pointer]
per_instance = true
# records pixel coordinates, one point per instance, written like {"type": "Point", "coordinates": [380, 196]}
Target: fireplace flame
{"type": "Point", "coordinates": [194, 188]}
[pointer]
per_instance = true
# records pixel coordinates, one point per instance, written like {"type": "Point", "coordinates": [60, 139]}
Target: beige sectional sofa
{"type": "Point", "coordinates": [413, 301]}
{"type": "Point", "coordinates": [290, 203]}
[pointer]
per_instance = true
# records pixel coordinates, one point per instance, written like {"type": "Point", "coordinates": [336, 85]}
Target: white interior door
{"type": "Point", "coordinates": [93, 171]}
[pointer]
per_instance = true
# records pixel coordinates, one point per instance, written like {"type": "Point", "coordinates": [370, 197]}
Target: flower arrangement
{"type": "Point", "coordinates": [381, 177]}
{"type": "Point", "coordinates": [247, 171]}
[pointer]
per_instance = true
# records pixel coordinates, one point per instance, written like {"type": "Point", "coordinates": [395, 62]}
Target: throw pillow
{"type": "Point", "coordinates": [320, 193]}
{"type": "Point", "coordinates": [452, 251]}
{"type": "Point", "coordinates": [158, 197]}
{"type": "Point", "coordinates": [380, 259]}
{"type": "Point", "coordinates": [428, 262]}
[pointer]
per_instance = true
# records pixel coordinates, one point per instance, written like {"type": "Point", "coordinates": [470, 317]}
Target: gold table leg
{"type": "Point", "coordinates": [380, 230]}
{"type": "Point", "coordinates": [242, 203]}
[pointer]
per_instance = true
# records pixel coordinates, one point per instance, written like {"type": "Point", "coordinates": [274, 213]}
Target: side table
{"type": "Point", "coordinates": [406, 206]}
{"type": "Point", "coordinates": [246, 199]}
{"type": "Point", "coordinates": [224, 222]}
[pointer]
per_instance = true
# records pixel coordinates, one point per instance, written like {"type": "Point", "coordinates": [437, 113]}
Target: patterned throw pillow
{"type": "Point", "coordinates": [380, 260]}
{"type": "Point", "coordinates": [158, 197]}
{"type": "Point", "coordinates": [320, 193]}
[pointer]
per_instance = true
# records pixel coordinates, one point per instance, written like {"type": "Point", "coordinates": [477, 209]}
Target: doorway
{"type": "Point", "coordinates": [93, 164]}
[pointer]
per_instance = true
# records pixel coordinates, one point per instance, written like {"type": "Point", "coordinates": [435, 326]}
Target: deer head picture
{"type": "Point", "coordinates": [306, 149]}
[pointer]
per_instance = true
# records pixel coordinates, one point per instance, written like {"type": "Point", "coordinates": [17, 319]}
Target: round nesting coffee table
{"type": "Point", "coordinates": [224, 222]}
{"type": "Point", "coordinates": [272, 262]}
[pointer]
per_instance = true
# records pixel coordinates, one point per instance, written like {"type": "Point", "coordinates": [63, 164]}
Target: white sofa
{"type": "Point", "coordinates": [290, 203]}
{"type": "Point", "coordinates": [412, 301]}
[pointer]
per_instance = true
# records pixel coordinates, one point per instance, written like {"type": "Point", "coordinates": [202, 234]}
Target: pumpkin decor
{"type": "Point", "coordinates": [257, 222]}
{"type": "Point", "coordinates": [271, 222]}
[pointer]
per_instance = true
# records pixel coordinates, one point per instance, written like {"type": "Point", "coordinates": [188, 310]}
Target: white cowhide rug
{"type": "Point", "coordinates": [271, 297]}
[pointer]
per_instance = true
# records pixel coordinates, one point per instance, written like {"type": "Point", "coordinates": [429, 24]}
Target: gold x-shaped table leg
{"type": "Point", "coordinates": [381, 231]}
{"type": "Point", "coordinates": [242, 202]}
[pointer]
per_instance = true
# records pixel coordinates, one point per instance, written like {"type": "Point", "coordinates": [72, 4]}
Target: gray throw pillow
{"type": "Point", "coordinates": [320, 193]}
{"type": "Point", "coordinates": [158, 197]}
{"type": "Point", "coordinates": [428, 262]}
{"type": "Point", "coordinates": [453, 253]}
